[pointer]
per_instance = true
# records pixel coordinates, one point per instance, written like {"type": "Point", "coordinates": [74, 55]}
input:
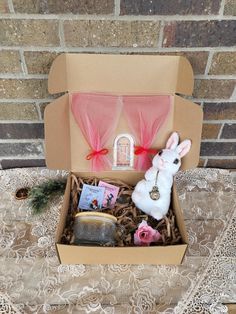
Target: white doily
{"type": "Point", "coordinates": [33, 281]}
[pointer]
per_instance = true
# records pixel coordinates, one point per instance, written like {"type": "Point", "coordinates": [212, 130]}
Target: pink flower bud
{"type": "Point", "coordinates": [145, 234]}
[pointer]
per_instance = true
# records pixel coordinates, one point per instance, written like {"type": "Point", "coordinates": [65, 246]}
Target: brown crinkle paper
{"type": "Point", "coordinates": [127, 214]}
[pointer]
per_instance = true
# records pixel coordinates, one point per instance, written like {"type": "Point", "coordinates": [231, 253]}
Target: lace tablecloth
{"type": "Point", "coordinates": [33, 281]}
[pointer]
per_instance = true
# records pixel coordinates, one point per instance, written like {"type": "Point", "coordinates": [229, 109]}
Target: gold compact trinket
{"type": "Point", "coordinates": [154, 193]}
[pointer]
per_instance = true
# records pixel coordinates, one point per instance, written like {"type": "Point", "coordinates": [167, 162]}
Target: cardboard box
{"type": "Point", "coordinates": [66, 147]}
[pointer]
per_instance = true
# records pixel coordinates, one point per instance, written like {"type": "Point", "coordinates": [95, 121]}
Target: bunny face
{"type": "Point", "coordinates": [169, 159]}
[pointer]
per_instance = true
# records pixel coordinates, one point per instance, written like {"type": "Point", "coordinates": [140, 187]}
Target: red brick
{"type": "Point", "coordinates": [210, 131]}
{"type": "Point", "coordinates": [219, 111]}
{"type": "Point", "coordinates": [223, 63]}
{"type": "Point", "coordinates": [200, 34]}
{"type": "Point", "coordinates": [4, 6]}
{"type": "Point", "coordinates": [201, 162]}
{"type": "Point", "coordinates": [111, 33]}
{"type": "Point", "coordinates": [218, 148]}
{"type": "Point", "coordinates": [229, 131]}
{"type": "Point", "coordinates": [169, 7]}
{"type": "Point", "coordinates": [29, 32]}
{"type": "Point", "coordinates": [39, 62]}
{"type": "Point", "coordinates": [22, 163]}
{"type": "Point", "coordinates": [18, 111]}
{"type": "Point", "coordinates": [222, 163]}
{"type": "Point", "coordinates": [21, 130]}
{"type": "Point", "coordinates": [21, 149]}
{"type": "Point", "coordinates": [10, 61]}
{"type": "Point", "coordinates": [31, 88]}
{"type": "Point", "coordinates": [64, 7]}
{"type": "Point", "coordinates": [211, 89]}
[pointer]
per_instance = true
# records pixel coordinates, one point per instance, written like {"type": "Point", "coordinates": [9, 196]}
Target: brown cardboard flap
{"type": "Point", "coordinates": [66, 147]}
{"type": "Point", "coordinates": [57, 134]}
{"type": "Point", "coordinates": [188, 123]}
{"type": "Point", "coordinates": [63, 213]}
{"type": "Point", "coordinates": [121, 74]}
{"type": "Point", "coordinates": [179, 214]}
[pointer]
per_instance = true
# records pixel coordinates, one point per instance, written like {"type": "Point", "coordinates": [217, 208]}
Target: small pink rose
{"type": "Point", "coordinates": [145, 234]}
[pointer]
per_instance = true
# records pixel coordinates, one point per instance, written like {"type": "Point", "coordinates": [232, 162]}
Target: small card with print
{"type": "Point", "coordinates": [110, 195]}
{"type": "Point", "coordinates": [91, 197]}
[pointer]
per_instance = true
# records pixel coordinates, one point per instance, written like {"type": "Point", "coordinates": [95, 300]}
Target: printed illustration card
{"type": "Point", "coordinates": [91, 197]}
{"type": "Point", "coordinates": [111, 193]}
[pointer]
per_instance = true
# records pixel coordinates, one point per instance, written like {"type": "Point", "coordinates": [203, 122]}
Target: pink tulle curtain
{"type": "Point", "coordinates": [145, 115]}
{"type": "Point", "coordinates": [97, 115]}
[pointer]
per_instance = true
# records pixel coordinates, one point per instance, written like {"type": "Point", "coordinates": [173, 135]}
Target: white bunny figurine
{"type": "Point", "coordinates": [152, 194]}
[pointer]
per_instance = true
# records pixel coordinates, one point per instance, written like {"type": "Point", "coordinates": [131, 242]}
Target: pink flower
{"type": "Point", "coordinates": [145, 234]}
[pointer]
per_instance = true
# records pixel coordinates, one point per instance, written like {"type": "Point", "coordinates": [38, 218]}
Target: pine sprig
{"type": "Point", "coordinates": [40, 195]}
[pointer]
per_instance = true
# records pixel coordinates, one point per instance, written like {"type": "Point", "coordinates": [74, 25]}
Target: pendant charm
{"type": "Point", "coordinates": [154, 194]}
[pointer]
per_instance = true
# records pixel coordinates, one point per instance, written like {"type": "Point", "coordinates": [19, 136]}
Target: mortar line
{"type": "Point", "coordinates": [161, 35]}
{"type": "Point", "coordinates": [219, 157]}
{"type": "Point", "coordinates": [45, 76]}
{"type": "Point", "coordinates": [44, 146]}
{"type": "Point", "coordinates": [61, 33]}
{"type": "Point", "coordinates": [21, 122]}
{"type": "Point", "coordinates": [42, 157]}
{"type": "Point", "coordinates": [29, 157]}
{"type": "Point", "coordinates": [120, 50]}
{"type": "Point", "coordinates": [201, 104]}
{"type": "Point", "coordinates": [220, 132]}
{"type": "Point", "coordinates": [21, 140]}
{"type": "Point", "coordinates": [24, 76]}
{"type": "Point", "coordinates": [41, 140]}
{"type": "Point", "coordinates": [222, 6]}
{"type": "Point", "coordinates": [215, 77]}
{"type": "Point", "coordinates": [117, 8]}
{"type": "Point", "coordinates": [15, 121]}
{"type": "Point", "coordinates": [223, 140]}
{"type": "Point", "coordinates": [75, 17]}
{"type": "Point", "coordinates": [18, 156]}
{"type": "Point", "coordinates": [220, 121]}
{"type": "Point", "coordinates": [11, 7]}
{"type": "Point", "coordinates": [209, 62]}
{"type": "Point", "coordinates": [37, 104]}
{"type": "Point", "coordinates": [205, 162]}
{"type": "Point", "coordinates": [233, 96]}
{"type": "Point", "coordinates": [23, 63]}
{"type": "Point", "coordinates": [213, 100]}
{"type": "Point", "coordinates": [25, 100]}
{"type": "Point", "coordinates": [44, 100]}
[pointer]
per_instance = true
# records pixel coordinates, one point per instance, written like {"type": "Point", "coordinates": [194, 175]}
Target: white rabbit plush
{"type": "Point", "coordinates": [152, 194]}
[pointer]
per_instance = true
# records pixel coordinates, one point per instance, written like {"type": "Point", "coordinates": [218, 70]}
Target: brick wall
{"type": "Point", "coordinates": [33, 32]}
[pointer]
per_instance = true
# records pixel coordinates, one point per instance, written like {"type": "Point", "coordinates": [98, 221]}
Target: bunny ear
{"type": "Point", "coordinates": [173, 141]}
{"type": "Point", "coordinates": [183, 148]}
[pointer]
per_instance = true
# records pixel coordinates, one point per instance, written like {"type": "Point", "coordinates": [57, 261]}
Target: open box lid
{"type": "Point", "coordinates": [119, 75]}
{"type": "Point", "coordinates": [136, 74]}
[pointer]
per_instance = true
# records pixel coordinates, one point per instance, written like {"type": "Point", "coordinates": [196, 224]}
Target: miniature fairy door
{"type": "Point", "coordinates": [123, 152]}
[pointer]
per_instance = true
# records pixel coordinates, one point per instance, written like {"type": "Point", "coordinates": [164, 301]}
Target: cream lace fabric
{"type": "Point", "coordinates": [33, 281]}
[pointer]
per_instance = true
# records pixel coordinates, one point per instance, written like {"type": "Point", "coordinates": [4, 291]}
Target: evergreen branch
{"type": "Point", "coordinates": [40, 195]}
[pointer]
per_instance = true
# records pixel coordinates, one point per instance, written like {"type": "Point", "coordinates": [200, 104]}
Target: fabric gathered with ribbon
{"type": "Point", "coordinates": [94, 153]}
{"type": "Point", "coordinates": [140, 150]}
{"type": "Point", "coordinates": [98, 115]}
{"type": "Point", "coordinates": [145, 116]}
